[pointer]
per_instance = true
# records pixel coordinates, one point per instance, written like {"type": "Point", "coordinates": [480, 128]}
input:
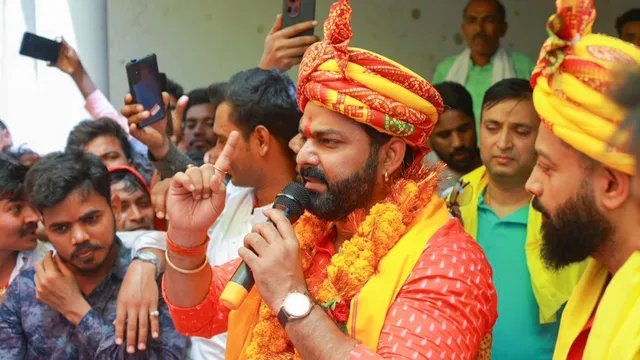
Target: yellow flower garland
{"type": "Point", "coordinates": [357, 260]}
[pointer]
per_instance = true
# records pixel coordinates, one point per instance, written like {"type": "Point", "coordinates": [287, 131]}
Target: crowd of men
{"type": "Point", "coordinates": [491, 212]}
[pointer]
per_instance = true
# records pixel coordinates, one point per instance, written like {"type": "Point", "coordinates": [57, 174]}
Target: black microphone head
{"type": "Point", "coordinates": [294, 197]}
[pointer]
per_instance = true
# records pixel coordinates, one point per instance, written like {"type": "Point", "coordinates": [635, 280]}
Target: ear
{"type": "Point", "coordinates": [262, 139]}
{"type": "Point", "coordinates": [116, 206]}
{"type": "Point", "coordinates": [391, 155]}
{"type": "Point", "coordinates": [613, 187]}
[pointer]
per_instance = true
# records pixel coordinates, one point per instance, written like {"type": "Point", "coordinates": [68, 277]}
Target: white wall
{"type": "Point", "coordinates": [202, 41]}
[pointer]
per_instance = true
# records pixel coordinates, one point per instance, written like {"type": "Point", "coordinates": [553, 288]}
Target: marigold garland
{"type": "Point", "coordinates": [350, 269]}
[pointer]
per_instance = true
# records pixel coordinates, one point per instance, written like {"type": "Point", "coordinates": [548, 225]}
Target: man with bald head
{"type": "Point", "coordinates": [484, 62]}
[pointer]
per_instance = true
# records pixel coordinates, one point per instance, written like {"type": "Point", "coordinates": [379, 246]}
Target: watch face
{"type": "Point", "coordinates": [297, 304]}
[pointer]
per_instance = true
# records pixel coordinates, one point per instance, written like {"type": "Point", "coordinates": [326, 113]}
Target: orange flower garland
{"type": "Point", "coordinates": [357, 260]}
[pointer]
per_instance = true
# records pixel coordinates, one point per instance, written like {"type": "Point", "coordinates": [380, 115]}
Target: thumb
{"type": "Point", "coordinates": [165, 99]}
{"type": "Point", "coordinates": [181, 106]}
{"type": "Point", "coordinates": [277, 26]}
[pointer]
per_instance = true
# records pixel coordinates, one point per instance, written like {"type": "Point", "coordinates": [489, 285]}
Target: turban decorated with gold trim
{"type": "Point", "coordinates": [573, 79]}
{"type": "Point", "coordinates": [365, 86]}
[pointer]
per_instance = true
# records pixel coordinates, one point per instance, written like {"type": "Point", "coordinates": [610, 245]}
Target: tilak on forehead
{"type": "Point", "coordinates": [365, 86]}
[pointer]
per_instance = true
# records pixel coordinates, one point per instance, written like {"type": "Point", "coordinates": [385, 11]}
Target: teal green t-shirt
{"type": "Point", "coordinates": [479, 79]}
{"type": "Point", "coordinates": [518, 333]}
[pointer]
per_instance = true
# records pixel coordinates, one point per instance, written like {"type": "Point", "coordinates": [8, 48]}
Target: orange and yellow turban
{"type": "Point", "coordinates": [365, 86]}
{"type": "Point", "coordinates": [573, 79]}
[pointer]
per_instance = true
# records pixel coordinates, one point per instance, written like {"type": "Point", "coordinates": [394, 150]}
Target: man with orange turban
{"type": "Point", "coordinates": [377, 268]}
{"type": "Point", "coordinates": [583, 185]}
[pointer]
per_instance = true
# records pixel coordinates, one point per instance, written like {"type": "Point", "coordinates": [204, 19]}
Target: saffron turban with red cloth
{"type": "Point", "coordinates": [572, 81]}
{"type": "Point", "coordinates": [365, 86]}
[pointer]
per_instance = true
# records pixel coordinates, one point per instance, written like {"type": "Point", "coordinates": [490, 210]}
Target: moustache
{"type": "Point", "coordinates": [29, 228]}
{"type": "Point", "coordinates": [483, 36]}
{"type": "Point", "coordinates": [461, 151]}
{"type": "Point", "coordinates": [539, 208]}
{"type": "Point", "coordinates": [85, 246]}
{"type": "Point", "coordinates": [197, 139]}
{"type": "Point", "coordinates": [313, 172]}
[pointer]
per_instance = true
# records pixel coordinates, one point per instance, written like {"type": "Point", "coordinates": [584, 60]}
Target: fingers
{"type": "Point", "coordinates": [132, 326]}
{"type": "Point", "coordinates": [223, 162]}
{"type": "Point", "coordinates": [296, 29]}
{"type": "Point", "coordinates": [281, 221]}
{"type": "Point", "coordinates": [256, 242]}
{"type": "Point", "coordinates": [277, 26]}
{"type": "Point", "coordinates": [121, 318]}
{"type": "Point", "coordinates": [155, 326]}
{"type": "Point", "coordinates": [143, 329]}
{"type": "Point", "coordinates": [267, 231]}
{"type": "Point", "coordinates": [196, 181]}
{"type": "Point", "coordinates": [47, 262]}
{"type": "Point", "coordinates": [207, 171]}
{"type": "Point", "coordinates": [248, 257]}
{"type": "Point", "coordinates": [300, 42]}
{"type": "Point", "coordinates": [181, 183]}
{"type": "Point", "coordinates": [181, 106]}
{"type": "Point", "coordinates": [159, 197]}
{"type": "Point", "coordinates": [154, 179]}
{"type": "Point", "coordinates": [63, 267]}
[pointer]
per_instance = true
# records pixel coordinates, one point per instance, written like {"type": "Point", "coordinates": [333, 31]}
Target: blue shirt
{"type": "Point", "coordinates": [518, 333]}
{"type": "Point", "coordinates": [30, 329]}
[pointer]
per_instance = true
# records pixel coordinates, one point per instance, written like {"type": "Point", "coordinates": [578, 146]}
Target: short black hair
{"type": "Point", "coordinates": [456, 97]}
{"type": "Point", "coordinates": [263, 97]}
{"type": "Point", "coordinates": [12, 176]}
{"type": "Point", "coordinates": [216, 93]}
{"type": "Point", "coordinates": [196, 97]}
{"type": "Point", "coordinates": [502, 11]}
{"type": "Point", "coordinates": [628, 96]}
{"type": "Point", "coordinates": [51, 180]}
{"type": "Point", "coordinates": [87, 130]}
{"type": "Point", "coordinates": [3, 126]}
{"type": "Point", "coordinates": [632, 15]}
{"type": "Point", "coordinates": [173, 88]}
{"type": "Point", "coordinates": [131, 182]}
{"type": "Point", "coordinates": [507, 89]}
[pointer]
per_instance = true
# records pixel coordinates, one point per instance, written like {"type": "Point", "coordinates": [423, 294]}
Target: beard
{"type": "Point", "coordinates": [344, 196]}
{"type": "Point", "coordinates": [575, 232]}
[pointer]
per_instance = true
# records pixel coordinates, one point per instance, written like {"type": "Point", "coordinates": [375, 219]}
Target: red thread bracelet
{"type": "Point", "coordinates": [186, 251]}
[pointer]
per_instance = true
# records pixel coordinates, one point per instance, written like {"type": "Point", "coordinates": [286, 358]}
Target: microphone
{"type": "Point", "coordinates": [293, 199]}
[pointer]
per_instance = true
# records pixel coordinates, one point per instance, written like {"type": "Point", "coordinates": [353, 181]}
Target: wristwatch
{"type": "Point", "coordinates": [296, 306]}
{"type": "Point", "coordinates": [148, 257]}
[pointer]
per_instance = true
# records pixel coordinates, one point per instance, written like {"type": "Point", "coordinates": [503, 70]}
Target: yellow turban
{"type": "Point", "coordinates": [572, 80]}
{"type": "Point", "coordinates": [367, 87]}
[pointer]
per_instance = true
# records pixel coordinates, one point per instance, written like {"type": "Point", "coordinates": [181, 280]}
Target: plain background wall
{"type": "Point", "coordinates": [202, 41]}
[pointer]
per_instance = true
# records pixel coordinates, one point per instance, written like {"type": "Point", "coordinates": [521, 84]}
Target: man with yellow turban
{"type": "Point", "coordinates": [377, 268]}
{"type": "Point", "coordinates": [582, 185]}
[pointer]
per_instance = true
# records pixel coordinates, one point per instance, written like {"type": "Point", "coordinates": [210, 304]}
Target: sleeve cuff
{"type": "Point", "coordinates": [174, 162]}
{"type": "Point", "coordinates": [93, 331]}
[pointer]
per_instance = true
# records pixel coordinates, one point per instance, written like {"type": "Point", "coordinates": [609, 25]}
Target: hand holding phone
{"type": "Point", "coordinates": [144, 84]}
{"type": "Point", "coordinates": [286, 44]}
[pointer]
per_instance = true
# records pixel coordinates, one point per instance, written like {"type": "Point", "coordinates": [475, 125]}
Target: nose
{"type": "Point", "coordinates": [533, 185]}
{"type": "Point", "coordinates": [134, 213]}
{"type": "Point", "coordinates": [79, 234]}
{"type": "Point", "coordinates": [504, 142]}
{"type": "Point", "coordinates": [200, 128]}
{"type": "Point", "coordinates": [307, 155]}
{"type": "Point", "coordinates": [30, 215]}
{"type": "Point", "coordinates": [456, 140]}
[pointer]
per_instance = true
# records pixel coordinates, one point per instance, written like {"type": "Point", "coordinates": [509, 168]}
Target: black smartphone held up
{"type": "Point", "coordinates": [40, 48]}
{"type": "Point", "coordinates": [145, 87]}
{"type": "Point", "coordinates": [298, 11]}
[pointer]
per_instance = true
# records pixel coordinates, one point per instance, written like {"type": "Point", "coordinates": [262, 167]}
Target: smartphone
{"type": "Point", "coordinates": [298, 11]}
{"type": "Point", "coordinates": [145, 87]}
{"type": "Point", "coordinates": [40, 48]}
